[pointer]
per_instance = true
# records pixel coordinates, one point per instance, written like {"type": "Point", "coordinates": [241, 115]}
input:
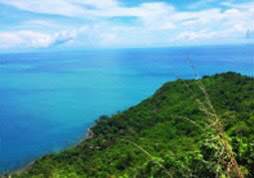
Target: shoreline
{"type": "Point", "coordinates": [88, 135]}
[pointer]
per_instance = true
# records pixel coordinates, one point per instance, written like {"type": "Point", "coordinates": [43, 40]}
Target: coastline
{"type": "Point", "coordinates": [88, 135]}
{"type": "Point", "coordinates": [158, 124]}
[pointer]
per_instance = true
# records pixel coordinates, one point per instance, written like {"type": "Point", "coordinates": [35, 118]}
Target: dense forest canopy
{"type": "Point", "coordinates": [166, 135]}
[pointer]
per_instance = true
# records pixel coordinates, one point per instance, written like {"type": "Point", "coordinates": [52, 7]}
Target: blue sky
{"type": "Point", "coordinates": [54, 24]}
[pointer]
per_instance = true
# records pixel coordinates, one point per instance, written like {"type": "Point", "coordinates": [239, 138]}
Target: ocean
{"type": "Point", "coordinates": [48, 100]}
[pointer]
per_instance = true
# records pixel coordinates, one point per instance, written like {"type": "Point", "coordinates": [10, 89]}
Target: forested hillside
{"type": "Point", "coordinates": [174, 133]}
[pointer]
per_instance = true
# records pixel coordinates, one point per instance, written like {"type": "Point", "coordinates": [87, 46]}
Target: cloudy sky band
{"type": "Point", "coordinates": [29, 24]}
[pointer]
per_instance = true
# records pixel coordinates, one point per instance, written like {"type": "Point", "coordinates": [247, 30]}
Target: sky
{"type": "Point", "coordinates": [72, 24]}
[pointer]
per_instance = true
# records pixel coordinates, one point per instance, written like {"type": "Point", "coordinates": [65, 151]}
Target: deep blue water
{"type": "Point", "coordinates": [49, 99]}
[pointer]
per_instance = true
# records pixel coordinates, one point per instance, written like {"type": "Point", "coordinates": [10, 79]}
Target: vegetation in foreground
{"type": "Point", "coordinates": [174, 133]}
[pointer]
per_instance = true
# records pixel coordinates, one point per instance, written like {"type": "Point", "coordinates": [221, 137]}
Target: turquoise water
{"type": "Point", "coordinates": [49, 99]}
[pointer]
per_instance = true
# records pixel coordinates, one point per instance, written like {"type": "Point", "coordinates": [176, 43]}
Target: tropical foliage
{"type": "Point", "coordinates": [174, 133]}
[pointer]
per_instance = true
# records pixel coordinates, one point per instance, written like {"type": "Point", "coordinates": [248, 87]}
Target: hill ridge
{"type": "Point", "coordinates": [158, 126]}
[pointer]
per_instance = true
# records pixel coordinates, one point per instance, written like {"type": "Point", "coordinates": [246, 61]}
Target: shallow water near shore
{"type": "Point", "coordinates": [48, 100]}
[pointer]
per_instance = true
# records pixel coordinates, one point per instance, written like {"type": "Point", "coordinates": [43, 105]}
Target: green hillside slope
{"type": "Point", "coordinates": [166, 135]}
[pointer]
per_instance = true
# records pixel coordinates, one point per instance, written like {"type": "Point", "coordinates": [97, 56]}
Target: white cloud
{"type": "Point", "coordinates": [58, 7]}
{"type": "Point", "coordinates": [201, 35]}
{"type": "Point", "coordinates": [238, 5]}
{"type": "Point", "coordinates": [30, 39]}
{"type": "Point", "coordinates": [88, 8]}
{"type": "Point", "coordinates": [157, 24]}
{"type": "Point", "coordinates": [63, 37]}
{"type": "Point", "coordinates": [27, 39]}
{"type": "Point", "coordinates": [40, 23]}
{"type": "Point", "coordinates": [167, 26]}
